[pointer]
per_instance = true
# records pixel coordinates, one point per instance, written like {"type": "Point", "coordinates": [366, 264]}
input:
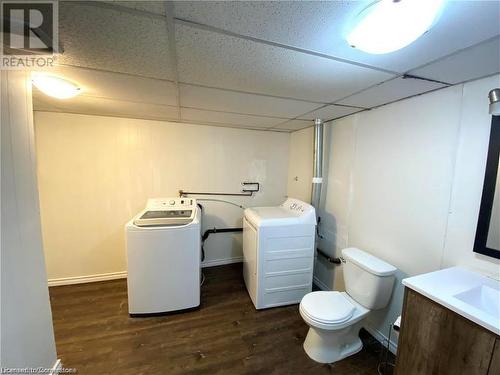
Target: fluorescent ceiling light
{"type": "Point", "coordinates": [388, 25]}
{"type": "Point", "coordinates": [55, 86]}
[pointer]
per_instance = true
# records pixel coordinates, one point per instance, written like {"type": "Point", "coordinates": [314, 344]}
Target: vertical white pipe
{"type": "Point", "coordinates": [317, 179]}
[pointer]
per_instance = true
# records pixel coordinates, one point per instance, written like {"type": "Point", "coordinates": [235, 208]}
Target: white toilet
{"type": "Point", "coordinates": [335, 318]}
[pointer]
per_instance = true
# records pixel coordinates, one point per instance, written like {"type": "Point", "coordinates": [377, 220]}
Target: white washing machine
{"type": "Point", "coordinates": [164, 256]}
{"type": "Point", "coordinates": [278, 253]}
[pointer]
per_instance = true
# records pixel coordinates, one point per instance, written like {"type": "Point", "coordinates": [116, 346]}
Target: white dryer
{"type": "Point", "coordinates": [278, 253]}
{"type": "Point", "coordinates": [163, 257]}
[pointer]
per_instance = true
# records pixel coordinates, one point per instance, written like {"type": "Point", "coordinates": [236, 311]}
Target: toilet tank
{"type": "Point", "coordinates": [368, 279]}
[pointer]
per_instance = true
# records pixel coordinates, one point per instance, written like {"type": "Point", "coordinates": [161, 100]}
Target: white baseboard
{"type": "Point", "coordinates": [56, 369]}
{"type": "Point", "coordinates": [88, 278]}
{"type": "Point", "coordinates": [221, 262]}
{"type": "Point", "coordinates": [123, 274]}
{"type": "Point", "coordinates": [381, 337]}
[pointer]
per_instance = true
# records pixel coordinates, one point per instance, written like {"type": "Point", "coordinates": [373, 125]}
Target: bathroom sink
{"type": "Point", "coordinates": [469, 294]}
{"type": "Point", "coordinates": [482, 297]}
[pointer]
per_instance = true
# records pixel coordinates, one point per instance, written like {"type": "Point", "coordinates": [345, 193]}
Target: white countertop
{"type": "Point", "coordinates": [452, 286]}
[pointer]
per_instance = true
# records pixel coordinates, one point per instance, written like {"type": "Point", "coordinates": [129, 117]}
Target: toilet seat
{"type": "Point", "coordinates": [330, 308]}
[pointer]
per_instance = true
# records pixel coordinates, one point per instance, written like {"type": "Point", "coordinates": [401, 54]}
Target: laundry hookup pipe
{"type": "Point", "coordinates": [317, 182]}
{"type": "Point", "coordinates": [317, 179]}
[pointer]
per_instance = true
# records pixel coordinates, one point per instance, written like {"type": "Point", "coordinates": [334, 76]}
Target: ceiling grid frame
{"type": "Point", "coordinates": [171, 20]}
{"type": "Point", "coordinates": [169, 11]}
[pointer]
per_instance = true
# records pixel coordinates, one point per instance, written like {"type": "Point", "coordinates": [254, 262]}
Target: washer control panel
{"type": "Point", "coordinates": [171, 203]}
{"type": "Point", "coordinates": [297, 206]}
{"type": "Point", "coordinates": [166, 212]}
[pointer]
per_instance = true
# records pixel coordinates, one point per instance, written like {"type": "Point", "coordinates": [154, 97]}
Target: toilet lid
{"type": "Point", "coordinates": [327, 307]}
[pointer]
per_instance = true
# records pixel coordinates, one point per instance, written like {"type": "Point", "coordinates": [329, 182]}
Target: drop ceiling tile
{"type": "Point", "coordinates": [218, 60]}
{"type": "Point", "coordinates": [321, 26]}
{"type": "Point", "coordinates": [109, 38]}
{"type": "Point", "coordinates": [104, 107]}
{"type": "Point", "coordinates": [208, 117]}
{"type": "Point", "coordinates": [475, 62]}
{"type": "Point", "coordinates": [293, 125]}
{"type": "Point", "coordinates": [120, 86]}
{"type": "Point", "coordinates": [390, 91]}
{"type": "Point", "coordinates": [330, 112]}
{"type": "Point", "coordinates": [230, 101]}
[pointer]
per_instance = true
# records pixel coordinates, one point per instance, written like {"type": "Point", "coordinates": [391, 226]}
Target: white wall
{"type": "Point", "coordinates": [468, 179]}
{"type": "Point", "coordinates": [404, 183]}
{"type": "Point", "coordinates": [27, 338]}
{"type": "Point", "coordinates": [300, 164]}
{"type": "Point", "coordinates": [95, 173]}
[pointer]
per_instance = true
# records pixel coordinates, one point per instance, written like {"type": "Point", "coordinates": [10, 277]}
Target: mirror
{"type": "Point", "coordinates": [488, 226]}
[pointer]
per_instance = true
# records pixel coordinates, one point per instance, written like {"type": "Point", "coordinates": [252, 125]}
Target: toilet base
{"type": "Point", "coordinates": [325, 346]}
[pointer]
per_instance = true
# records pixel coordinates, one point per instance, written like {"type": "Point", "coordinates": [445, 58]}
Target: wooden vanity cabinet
{"type": "Point", "coordinates": [437, 341]}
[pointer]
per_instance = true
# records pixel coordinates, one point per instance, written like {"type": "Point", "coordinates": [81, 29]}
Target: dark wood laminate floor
{"type": "Point", "coordinates": [95, 334]}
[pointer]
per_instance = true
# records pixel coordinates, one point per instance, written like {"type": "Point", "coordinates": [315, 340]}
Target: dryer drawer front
{"type": "Point", "coordinates": [287, 267]}
{"type": "Point", "coordinates": [286, 289]}
{"type": "Point", "coordinates": [284, 297]}
{"type": "Point", "coordinates": [279, 265]}
{"type": "Point", "coordinates": [292, 254]}
{"type": "Point", "coordinates": [276, 283]}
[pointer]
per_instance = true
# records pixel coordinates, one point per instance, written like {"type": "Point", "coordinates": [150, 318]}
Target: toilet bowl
{"type": "Point", "coordinates": [335, 318]}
